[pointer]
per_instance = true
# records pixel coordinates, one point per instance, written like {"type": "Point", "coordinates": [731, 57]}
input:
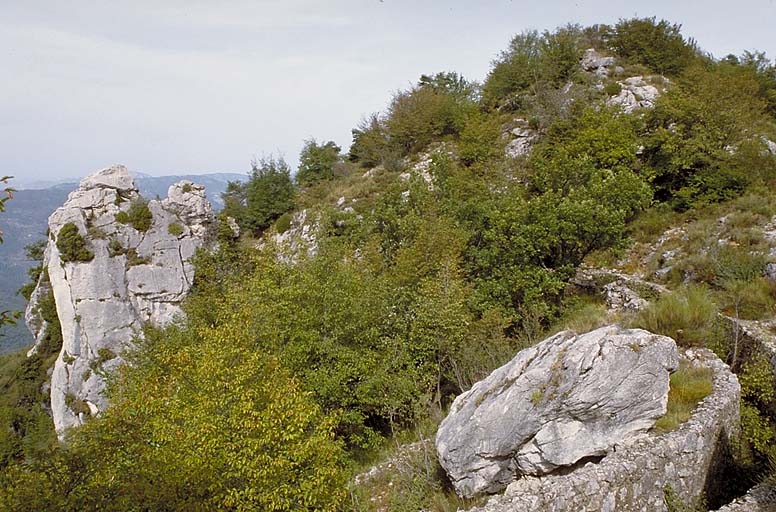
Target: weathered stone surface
{"type": "Point", "coordinates": [635, 93]}
{"type": "Point", "coordinates": [761, 498]}
{"type": "Point", "coordinates": [103, 303]}
{"type": "Point", "coordinates": [622, 292]}
{"type": "Point", "coordinates": [522, 138]}
{"type": "Point", "coordinates": [596, 63]}
{"type": "Point", "coordinates": [568, 398]}
{"type": "Point", "coordinates": [635, 474]}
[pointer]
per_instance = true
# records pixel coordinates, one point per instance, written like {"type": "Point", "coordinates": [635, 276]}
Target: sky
{"type": "Point", "coordinates": [194, 86]}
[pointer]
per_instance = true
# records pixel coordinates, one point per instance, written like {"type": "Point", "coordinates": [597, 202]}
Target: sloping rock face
{"type": "Point", "coordinates": [566, 399]}
{"type": "Point", "coordinates": [135, 277]}
{"type": "Point", "coordinates": [636, 474]}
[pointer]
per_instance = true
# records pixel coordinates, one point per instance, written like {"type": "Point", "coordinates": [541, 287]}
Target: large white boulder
{"type": "Point", "coordinates": [566, 399]}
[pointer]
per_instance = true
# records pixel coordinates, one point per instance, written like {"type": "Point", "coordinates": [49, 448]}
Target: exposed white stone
{"type": "Point", "coordinates": [103, 304]}
{"type": "Point", "coordinates": [635, 93]}
{"type": "Point", "coordinates": [634, 475]}
{"type": "Point", "coordinates": [522, 139]}
{"type": "Point", "coordinates": [567, 398]}
{"type": "Point", "coordinates": [596, 63]}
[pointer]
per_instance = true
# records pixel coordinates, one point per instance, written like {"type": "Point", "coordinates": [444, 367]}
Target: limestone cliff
{"type": "Point", "coordinates": [134, 267]}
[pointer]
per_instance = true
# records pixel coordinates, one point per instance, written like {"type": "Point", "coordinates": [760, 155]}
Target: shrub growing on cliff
{"type": "Point", "coordinates": [701, 144]}
{"type": "Point", "coordinates": [72, 245]}
{"type": "Point", "coordinates": [138, 215]}
{"type": "Point", "coordinates": [200, 421]}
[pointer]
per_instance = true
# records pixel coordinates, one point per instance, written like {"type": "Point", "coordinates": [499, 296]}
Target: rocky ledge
{"type": "Point", "coordinates": [113, 263]}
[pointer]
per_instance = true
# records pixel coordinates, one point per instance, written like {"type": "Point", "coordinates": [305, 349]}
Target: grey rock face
{"type": "Point", "coordinates": [134, 278]}
{"type": "Point", "coordinates": [596, 63]}
{"type": "Point", "coordinates": [522, 138]}
{"type": "Point", "coordinates": [634, 476]}
{"type": "Point", "coordinates": [568, 398]}
{"type": "Point", "coordinates": [635, 93]}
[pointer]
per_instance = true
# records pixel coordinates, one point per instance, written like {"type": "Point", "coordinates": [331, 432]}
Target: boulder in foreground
{"type": "Point", "coordinates": [566, 399]}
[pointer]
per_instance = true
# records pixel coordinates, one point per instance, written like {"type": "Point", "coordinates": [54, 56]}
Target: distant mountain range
{"type": "Point", "coordinates": [26, 219]}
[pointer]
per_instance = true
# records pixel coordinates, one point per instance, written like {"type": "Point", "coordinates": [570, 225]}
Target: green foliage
{"type": "Point", "coordinates": [7, 195]}
{"type": "Point", "coordinates": [33, 252]}
{"type": "Point", "coordinates": [116, 249]}
{"type": "Point", "coordinates": [175, 229]}
{"type": "Point", "coordinates": [612, 89]}
{"type": "Point", "coordinates": [316, 162]}
{"type": "Point", "coordinates": [370, 145]}
{"type": "Point", "coordinates": [174, 440]}
{"type": "Point", "coordinates": [699, 145]}
{"type": "Point", "coordinates": [283, 223]}
{"type": "Point", "coordinates": [235, 202]}
{"type": "Point", "coordinates": [72, 245]}
{"type": "Point", "coordinates": [138, 215]}
{"type": "Point", "coordinates": [435, 108]}
{"type": "Point", "coordinates": [480, 140]}
{"type": "Point", "coordinates": [269, 194]}
{"type": "Point", "coordinates": [688, 315]}
{"type": "Point", "coordinates": [764, 72]}
{"type": "Point", "coordinates": [26, 430]}
{"type": "Point", "coordinates": [531, 61]}
{"type": "Point", "coordinates": [659, 45]}
{"type": "Point", "coordinates": [582, 190]}
{"type": "Point", "coordinates": [688, 386]}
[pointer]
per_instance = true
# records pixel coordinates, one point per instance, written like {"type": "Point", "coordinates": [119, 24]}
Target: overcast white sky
{"type": "Point", "coordinates": [168, 87]}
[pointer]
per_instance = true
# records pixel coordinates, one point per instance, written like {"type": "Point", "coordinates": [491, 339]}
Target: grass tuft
{"type": "Point", "coordinates": [688, 387]}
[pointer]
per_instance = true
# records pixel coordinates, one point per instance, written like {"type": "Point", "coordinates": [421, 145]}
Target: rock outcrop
{"type": "Point", "coordinates": [637, 474]}
{"type": "Point", "coordinates": [569, 398]}
{"type": "Point", "coordinates": [636, 92]}
{"type": "Point", "coordinates": [521, 138]}
{"type": "Point", "coordinates": [133, 271]}
{"type": "Point", "coordinates": [595, 63]}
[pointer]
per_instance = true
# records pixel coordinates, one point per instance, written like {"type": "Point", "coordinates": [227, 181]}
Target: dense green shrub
{"type": "Point", "coordinates": [173, 440]}
{"type": "Point", "coordinates": [658, 45]}
{"type": "Point", "coordinates": [370, 145]}
{"type": "Point", "coordinates": [33, 252]}
{"type": "Point", "coordinates": [72, 245]}
{"type": "Point", "coordinates": [175, 229]}
{"type": "Point", "coordinates": [316, 162]}
{"type": "Point", "coordinates": [531, 60]}
{"type": "Point", "coordinates": [26, 431]}
{"type": "Point", "coordinates": [436, 107]}
{"type": "Point", "coordinates": [138, 215]}
{"type": "Point", "coordinates": [269, 194]}
{"type": "Point", "coordinates": [699, 144]}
